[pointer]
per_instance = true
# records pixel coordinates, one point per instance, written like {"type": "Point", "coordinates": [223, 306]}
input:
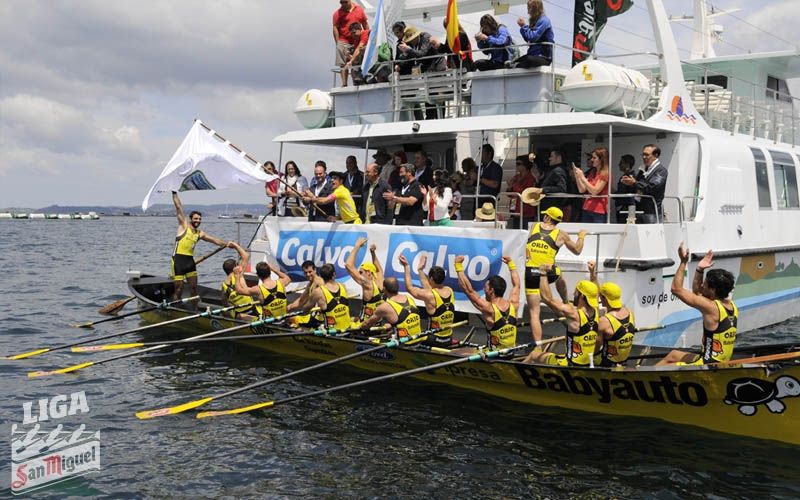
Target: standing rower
{"type": "Point", "coordinates": [345, 205]}
{"type": "Point", "coordinates": [368, 275]}
{"type": "Point", "coordinates": [544, 242]}
{"type": "Point", "coordinates": [616, 328]}
{"type": "Point", "coordinates": [438, 298]}
{"type": "Point", "coordinates": [183, 265]}
{"type": "Point", "coordinates": [581, 321]}
{"type": "Point", "coordinates": [269, 294]}
{"type": "Point", "coordinates": [720, 314]}
{"type": "Point", "coordinates": [399, 310]}
{"type": "Point", "coordinates": [499, 314]}
{"type": "Point", "coordinates": [331, 298]}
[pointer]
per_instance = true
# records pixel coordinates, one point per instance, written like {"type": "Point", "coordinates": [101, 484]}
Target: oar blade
{"type": "Point", "coordinates": [28, 354]}
{"type": "Point", "coordinates": [61, 371]}
{"type": "Point", "coordinates": [114, 307]}
{"type": "Point", "coordinates": [84, 325]}
{"type": "Point", "coordinates": [235, 411]}
{"type": "Point", "coordinates": [109, 347]}
{"type": "Point", "coordinates": [144, 415]}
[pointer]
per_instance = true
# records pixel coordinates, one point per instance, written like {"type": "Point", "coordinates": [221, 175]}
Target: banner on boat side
{"type": "Point", "coordinates": [44, 450]}
{"type": "Point", "coordinates": [589, 20]}
{"type": "Point", "coordinates": [293, 243]}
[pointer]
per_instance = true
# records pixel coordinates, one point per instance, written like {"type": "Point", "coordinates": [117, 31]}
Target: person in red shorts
{"type": "Point", "coordinates": [343, 17]}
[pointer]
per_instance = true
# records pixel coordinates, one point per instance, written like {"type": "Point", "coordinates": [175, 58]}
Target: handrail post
{"type": "Point", "coordinates": [610, 176]}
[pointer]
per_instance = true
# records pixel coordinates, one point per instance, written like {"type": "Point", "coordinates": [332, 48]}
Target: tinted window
{"type": "Point", "coordinates": [762, 179]}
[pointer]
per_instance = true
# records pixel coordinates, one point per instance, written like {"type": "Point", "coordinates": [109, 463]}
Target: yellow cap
{"type": "Point", "coordinates": [369, 266]}
{"type": "Point", "coordinates": [613, 293]}
{"type": "Point", "coordinates": [555, 213]}
{"type": "Point", "coordinates": [589, 290]}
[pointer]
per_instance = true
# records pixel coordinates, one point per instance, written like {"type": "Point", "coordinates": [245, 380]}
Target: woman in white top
{"type": "Point", "coordinates": [290, 198]}
{"type": "Point", "coordinates": [437, 200]}
{"type": "Point", "coordinates": [455, 206]}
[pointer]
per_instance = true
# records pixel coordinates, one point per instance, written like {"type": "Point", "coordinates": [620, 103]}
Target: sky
{"type": "Point", "coordinates": [95, 96]}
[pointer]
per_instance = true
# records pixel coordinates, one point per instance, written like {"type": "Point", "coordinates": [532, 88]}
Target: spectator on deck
{"type": "Point", "coordinates": [354, 181]}
{"type": "Point", "coordinates": [522, 180]}
{"type": "Point", "coordinates": [468, 187]}
{"type": "Point", "coordinates": [626, 164]}
{"type": "Point", "coordinates": [384, 162]}
{"type": "Point", "coordinates": [416, 50]}
{"type": "Point", "coordinates": [393, 177]}
{"type": "Point", "coordinates": [537, 31]}
{"type": "Point", "coordinates": [456, 181]}
{"type": "Point", "coordinates": [650, 181]}
{"type": "Point", "coordinates": [360, 37]}
{"type": "Point", "coordinates": [595, 182]}
{"type": "Point", "coordinates": [291, 200]}
{"type": "Point", "coordinates": [374, 208]}
{"type": "Point", "coordinates": [406, 201]}
{"type": "Point", "coordinates": [554, 181]}
{"type": "Point", "coordinates": [320, 187]}
{"type": "Point", "coordinates": [347, 14]}
{"type": "Point", "coordinates": [491, 175]}
{"type": "Point", "coordinates": [437, 199]}
{"type": "Point", "coordinates": [424, 173]}
{"type": "Point", "coordinates": [494, 39]}
{"type": "Point", "coordinates": [271, 188]}
{"type": "Point", "coordinates": [464, 58]}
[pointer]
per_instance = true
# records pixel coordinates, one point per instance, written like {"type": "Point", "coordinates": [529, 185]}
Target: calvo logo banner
{"type": "Point", "coordinates": [320, 247]}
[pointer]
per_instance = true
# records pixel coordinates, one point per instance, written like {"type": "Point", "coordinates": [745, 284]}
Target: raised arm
{"type": "Point", "coordinates": [373, 251]}
{"type": "Point", "coordinates": [707, 262]}
{"type": "Point", "coordinates": [575, 247]}
{"type": "Point", "coordinates": [241, 284]}
{"type": "Point", "coordinates": [484, 306]}
{"type": "Point", "coordinates": [688, 297]}
{"type": "Point", "coordinates": [179, 209]}
{"type": "Point", "coordinates": [592, 267]}
{"type": "Point", "coordinates": [560, 308]}
{"type": "Point", "coordinates": [416, 292]}
{"type": "Point", "coordinates": [350, 263]}
{"type": "Point", "coordinates": [244, 258]}
{"type": "Point", "coordinates": [284, 278]}
{"type": "Point", "coordinates": [512, 269]}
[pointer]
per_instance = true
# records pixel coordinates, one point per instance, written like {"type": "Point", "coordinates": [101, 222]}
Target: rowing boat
{"type": "Point", "coordinates": [754, 400]}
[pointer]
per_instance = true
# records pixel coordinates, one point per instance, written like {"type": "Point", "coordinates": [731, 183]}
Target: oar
{"type": "Point", "coordinates": [268, 404]}
{"type": "Point", "coordinates": [87, 364]}
{"type": "Point", "coordinates": [739, 350]}
{"type": "Point", "coordinates": [210, 254]}
{"type": "Point", "coordinates": [113, 308]}
{"type": "Point", "coordinates": [199, 402]}
{"type": "Point", "coordinates": [37, 352]}
{"type": "Point", "coordinates": [138, 311]}
{"type": "Point", "coordinates": [760, 359]}
{"type": "Point", "coordinates": [288, 332]}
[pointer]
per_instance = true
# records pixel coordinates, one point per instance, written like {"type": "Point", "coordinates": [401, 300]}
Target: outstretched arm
{"type": "Point", "coordinates": [560, 308]}
{"type": "Point", "coordinates": [179, 209]}
{"type": "Point", "coordinates": [211, 239]}
{"type": "Point", "coordinates": [479, 302]}
{"type": "Point", "coordinates": [241, 284]}
{"type": "Point", "coordinates": [350, 263]}
{"type": "Point", "coordinates": [575, 247]}
{"type": "Point", "coordinates": [512, 269]}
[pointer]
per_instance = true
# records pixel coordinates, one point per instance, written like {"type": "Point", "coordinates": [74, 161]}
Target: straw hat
{"type": "Point", "coordinates": [486, 212]}
{"type": "Point", "coordinates": [410, 33]}
{"type": "Point", "coordinates": [299, 212]}
{"type": "Point", "coordinates": [532, 196]}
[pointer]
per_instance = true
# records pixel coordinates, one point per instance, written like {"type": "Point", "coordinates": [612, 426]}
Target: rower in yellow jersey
{"type": "Point", "coordinates": [544, 242]}
{"type": "Point", "coordinates": [269, 294]}
{"type": "Point", "coordinates": [301, 303]}
{"type": "Point", "coordinates": [230, 297]}
{"type": "Point", "coordinates": [710, 296]}
{"type": "Point", "coordinates": [345, 206]}
{"type": "Point", "coordinates": [439, 300]}
{"type": "Point", "coordinates": [499, 314]}
{"type": "Point", "coordinates": [398, 310]}
{"type": "Point", "coordinates": [370, 276]}
{"type": "Point", "coordinates": [581, 322]}
{"type": "Point", "coordinates": [616, 328]}
{"type": "Point", "coordinates": [187, 236]}
{"type": "Point", "coordinates": [331, 298]}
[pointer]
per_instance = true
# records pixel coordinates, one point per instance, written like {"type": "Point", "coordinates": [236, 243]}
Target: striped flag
{"type": "Point", "coordinates": [377, 36]}
{"type": "Point", "coordinates": [451, 28]}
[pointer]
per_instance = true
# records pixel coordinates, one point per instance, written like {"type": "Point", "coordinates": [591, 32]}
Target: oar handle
{"type": "Point", "coordinates": [649, 328]}
{"type": "Point", "coordinates": [210, 254]}
{"type": "Point", "coordinates": [760, 359]}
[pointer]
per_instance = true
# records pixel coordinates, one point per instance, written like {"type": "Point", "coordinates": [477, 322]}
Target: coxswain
{"type": "Point", "coordinates": [399, 311]}
{"type": "Point", "coordinates": [581, 322]}
{"type": "Point", "coordinates": [544, 242]}
{"type": "Point", "coordinates": [370, 276]}
{"type": "Point", "coordinates": [710, 296]}
{"type": "Point", "coordinates": [269, 294]}
{"type": "Point", "coordinates": [438, 299]}
{"type": "Point", "coordinates": [499, 314]}
{"type": "Point", "coordinates": [230, 297]}
{"type": "Point", "coordinates": [616, 328]}
{"type": "Point", "coordinates": [331, 298]}
{"type": "Point", "coordinates": [183, 265]}
{"type": "Point", "coordinates": [345, 206]}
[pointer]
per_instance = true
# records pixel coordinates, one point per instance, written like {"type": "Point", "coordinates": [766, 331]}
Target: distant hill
{"type": "Point", "coordinates": [254, 209]}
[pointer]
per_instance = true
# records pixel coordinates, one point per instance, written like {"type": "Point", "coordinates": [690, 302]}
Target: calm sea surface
{"type": "Point", "coordinates": [400, 439]}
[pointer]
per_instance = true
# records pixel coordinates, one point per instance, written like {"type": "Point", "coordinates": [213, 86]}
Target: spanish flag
{"type": "Point", "coordinates": [451, 27]}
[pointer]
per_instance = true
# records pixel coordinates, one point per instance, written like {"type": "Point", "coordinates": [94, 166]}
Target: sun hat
{"type": "Point", "coordinates": [410, 33]}
{"type": "Point", "coordinates": [486, 212]}
{"type": "Point", "coordinates": [588, 290]}
{"type": "Point", "coordinates": [554, 213]}
{"type": "Point", "coordinates": [299, 212]}
{"type": "Point", "coordinates": [369, 266]}
{"type": "Point", "coordinates": [613, 293]}
{"type": "Point", "coordinates": [532, 196]}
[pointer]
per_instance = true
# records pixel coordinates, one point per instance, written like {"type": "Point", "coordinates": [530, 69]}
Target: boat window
{"type": "Point", "coordinates": [785, 180]}
{"type": "Point", "coordinates": [762, 179]}
{"type": "Point", "coordinates": [720, 80]}
{"type": "Point", "coordinates": [777, 89]}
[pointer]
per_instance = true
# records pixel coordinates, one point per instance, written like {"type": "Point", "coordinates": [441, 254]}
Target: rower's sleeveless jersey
{"type": "Point", "coordinates": [541, 246]}
{"type": "Point", "coordinates": [443, 315]}
{"type": "Point", "coordinates": [274, 302]}
{"type": "Point", "coordinates": [368, 306]}
{"type": "Point", "coordinates": [408, 320]}
{"type": "Point", "coordinates": [184, 244]}
{"type": "Point", "coordinates": [243, 302]}
{"type": "Point", "coordinates": [718, 344]}
{"type": "Point", "coordinates": [581, 344]}
{"type": "Point", "coordinates": [337, 308]}
{"type": "Point", "coordinates": [503, 333]}
{"type": "Point", "coordinates": [618, 347]}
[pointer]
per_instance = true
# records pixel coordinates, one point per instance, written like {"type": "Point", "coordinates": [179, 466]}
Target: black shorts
{"type": "Point", "coordinates": [183, 266]}
{"type": "Point", "coordinates": [532, 279]}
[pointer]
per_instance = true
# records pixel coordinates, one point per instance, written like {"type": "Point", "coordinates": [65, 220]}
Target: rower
{"type": "Point", "coordinates": [269, 294]}
{"type": "Point", "coordinates": [314, 281]}
{"type": "Point", "coordinates": [183, 265]}
{"type": "Point", "coordinates": [368, 275]}
{"type": "Point", "coordinates": [616, 328]}
{"type": "Point", "coordinates": [581, 322]}
{"type": "Point", "coordinates": [331, 298]}
{"type": "Point", "coordinates": [399, 311]}
{"type": "Point", "coordinates": [438, 298]}
{"type": "Point", "coordinates": [544, 242]}
{"type": "Point", "coordinates": [230, 297]}
{"type": "Point", "coordinates": [499, 314]}
{"type": "Point", "coordinates": [345, 206]}
{"type": "Point", "coordinates": [720, 314]}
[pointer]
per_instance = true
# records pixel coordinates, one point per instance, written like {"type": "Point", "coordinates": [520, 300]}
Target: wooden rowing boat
{"type": "Point", "coordinates": [756, 400]}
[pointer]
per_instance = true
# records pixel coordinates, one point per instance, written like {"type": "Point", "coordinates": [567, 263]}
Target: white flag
{"type": "Point", "coordinates": [377, 36]}
{"type": "Point", "coordinates": [203, 162]}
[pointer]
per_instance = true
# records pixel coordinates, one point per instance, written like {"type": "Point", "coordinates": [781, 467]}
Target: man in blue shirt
{"type": "Point", "coordinates": [491, 175]}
